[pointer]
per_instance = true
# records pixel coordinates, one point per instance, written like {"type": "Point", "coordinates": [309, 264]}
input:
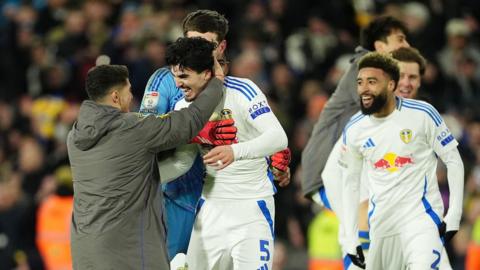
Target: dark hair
{"type": "Point", "coordinates": [101, 79]}
{"type": "Point", "coordinates": [192, 53]}
{"type": "Point", "coordinates": [204, 21]}
{"type": "Point", "coordinates": [380, 29]}
{"type": "Point", "coordinates": [381, 61]}
{"type": "Point", "coordinates": [410, 55]}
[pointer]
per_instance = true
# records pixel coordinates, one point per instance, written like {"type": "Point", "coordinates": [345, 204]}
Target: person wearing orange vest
{"type": "Point", "coordinates": [472, 258]}
{"type": "Point", "coordinates": [53, 223]}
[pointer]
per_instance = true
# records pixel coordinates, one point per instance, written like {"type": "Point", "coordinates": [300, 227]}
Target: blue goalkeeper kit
{"type": "Point", "coordinates": [182, 194]}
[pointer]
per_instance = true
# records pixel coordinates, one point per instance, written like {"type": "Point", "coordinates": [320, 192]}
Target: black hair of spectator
{"type": "Point", "coordinates": [204, 21]}
{"type": "Point", "coordinates": [379, 29]}
{"type": "Point", "coordinates": [101, 79]}
{"type": "Point", "coordinates": [410, 55]}
{"type": "Point", "coordinates": [191, 53]}
{"type": "Point", "coordinates": [383, 62]}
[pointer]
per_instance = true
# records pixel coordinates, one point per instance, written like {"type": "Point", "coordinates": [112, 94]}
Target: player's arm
{"type": "Point", "coordinates": [272, 137]}
{"type": "Point", "coordinates": [351, 165]}
{"type": "Point", "coordinates": [455, 174]}
{"type": "Point", "coordinates": [445, 146]}
{"type": "Point", "coordinates": [316, 151]}
{"type": "Point", "coordinates": [179, 127]}
{"type": "Point", "coordinates": [176, 164]}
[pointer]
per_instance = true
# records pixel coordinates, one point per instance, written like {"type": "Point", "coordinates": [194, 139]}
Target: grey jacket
{"type": "Point", "coordinates": [118, 217]}
{"type": "Point", "coordinates": [340, 107]}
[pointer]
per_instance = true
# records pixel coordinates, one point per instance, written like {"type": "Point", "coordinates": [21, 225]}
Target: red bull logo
{"type": "Point", "coordinates": [392, 162]}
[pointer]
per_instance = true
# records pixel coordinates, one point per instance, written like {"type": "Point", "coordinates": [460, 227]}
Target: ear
{"type": "Point", "coordinates": [391, 85]}
{"type": "Point", "coordinates": [115, 96]}
{"type": "Point", "coordinates": [207, 75]}
{"type": "Point", "coordinates": [379, 46]}
{"type": "Point", "coordinates": [222, 46]}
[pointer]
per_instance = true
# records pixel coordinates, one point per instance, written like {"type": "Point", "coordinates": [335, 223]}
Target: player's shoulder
{"type": "Point", "coordinates": [419, 108]}
{"type": "Point", "coordinates": [354, 126]}
{"type": "Point", "coordinates": [161, 77]}
{"type": "Point", "coordinates": [242, 87]}
{"type": "Point", "coordinates": [356, 121]}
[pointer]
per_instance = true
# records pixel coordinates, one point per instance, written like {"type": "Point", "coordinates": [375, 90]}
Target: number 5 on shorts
{"type": "Point", "coordinates": [264, 250]}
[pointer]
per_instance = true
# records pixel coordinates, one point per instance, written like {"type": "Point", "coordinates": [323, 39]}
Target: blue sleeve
{"type": "Point", "coordinates": [160, 94]}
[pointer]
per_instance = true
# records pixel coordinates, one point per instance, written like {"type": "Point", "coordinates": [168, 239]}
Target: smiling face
{"type": "Point", "coordinates": [191, 82]}
{"type": "Point", "coordinates": [374, 87]}
{"type": "Point", "coordinates": [409, 80]}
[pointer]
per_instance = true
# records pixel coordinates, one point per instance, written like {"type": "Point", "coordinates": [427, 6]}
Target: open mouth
{"type": "Point", "coordinates": [367, 100]}
{"type": "Point", "coordinates": [404, 93]}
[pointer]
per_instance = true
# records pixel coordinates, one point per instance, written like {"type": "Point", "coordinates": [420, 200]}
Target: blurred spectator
{"type": "Point", "coordinates": [53, 222]}
{"type": "Point", "coordinates": [459, 60]}
{"type": "Point", "coordinates": [309, 50]}
{"type": "Point", "coordinates": [17, 224]}
{"type": "Point", "coordinates": [324, 250]}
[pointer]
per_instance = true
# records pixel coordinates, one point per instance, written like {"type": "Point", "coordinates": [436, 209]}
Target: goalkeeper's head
{"type": "Point", "coordinates": [210, 25]}
{"type": "Point", "coordinates": [191, 62]}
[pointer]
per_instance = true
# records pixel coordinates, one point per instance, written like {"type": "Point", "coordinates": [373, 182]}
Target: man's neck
{"type": "Point", "coordinates": [388, 108]}
{"type": "Point", "coordinates": [108, 103]}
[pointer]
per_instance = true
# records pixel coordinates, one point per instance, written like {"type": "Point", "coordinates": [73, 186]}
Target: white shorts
{"type": "Point", "coordinates": [412, 250]}
{"type": "Point", "coordinates": [233, 234]}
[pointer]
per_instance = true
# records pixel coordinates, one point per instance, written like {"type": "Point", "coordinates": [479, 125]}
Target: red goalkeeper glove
{"type": "Point", "coordinates": [221, 132]}
{"type": "Point", "coordinates": [281, 160]}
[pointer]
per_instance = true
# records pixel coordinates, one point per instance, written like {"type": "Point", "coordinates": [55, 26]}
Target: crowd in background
{"type": "Point", "coordinates": [296, 51]}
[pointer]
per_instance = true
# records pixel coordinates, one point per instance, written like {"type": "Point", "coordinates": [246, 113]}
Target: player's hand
{"type": "Point", "coordinates": [445, 234]}
{"type": "Point", "coordinates": [358, 259]}
{"type": "Point", "coordinates": [281, 160]}
{"type": "Point", "coordinates": [219, 157]}
{"type": "Point", "coordinates": [283, 178]}
{"type": "Point", "coordinates": [221, 132]}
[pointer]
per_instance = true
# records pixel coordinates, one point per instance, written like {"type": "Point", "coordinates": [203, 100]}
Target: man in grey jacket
{"type": "Point", "coordinates": [384, 34]}
{"type": "Point", "coordinates": [117, 219]}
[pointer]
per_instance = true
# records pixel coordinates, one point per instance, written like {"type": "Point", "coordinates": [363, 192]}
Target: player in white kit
{"type": "Point", "coordinates": [411, 66]}
{"type": "Point", "coordinates": [397, 141]}
{"type": "Point", "coordinates": [234, 226]}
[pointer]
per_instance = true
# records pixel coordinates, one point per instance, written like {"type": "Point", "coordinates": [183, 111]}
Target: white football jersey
{"type": "Point", "coordinates": [399, 151]}
{"type": "Point", "coordinates": [259, 135]}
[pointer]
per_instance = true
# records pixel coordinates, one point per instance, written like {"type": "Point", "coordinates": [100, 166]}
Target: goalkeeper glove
{"type": "Point", "coordinates": [221, 132]}
{"type": "Point", "coordinates": [281, 160]}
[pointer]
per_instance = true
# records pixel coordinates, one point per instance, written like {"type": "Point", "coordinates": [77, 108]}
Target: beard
{"type": "Point", "coordinates": [377, 104]}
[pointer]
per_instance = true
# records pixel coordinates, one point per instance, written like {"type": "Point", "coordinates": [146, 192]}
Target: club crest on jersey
{"type": "Point", "coordinates": [150, 100]}
{"type": "Point", "coordinates": [406, 135]}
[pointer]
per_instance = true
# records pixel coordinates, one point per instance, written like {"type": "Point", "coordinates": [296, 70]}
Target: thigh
{"type": "Point", "coordinates": [423, 249]}
{"type": "Point", "coordinates": [252, 242]}
{"type": "Point", "coordinates": [385, 253]}
{"type": "Point", "coordinates": [207, 242]}
{"type": "Point", "coordinates": [253, 253]}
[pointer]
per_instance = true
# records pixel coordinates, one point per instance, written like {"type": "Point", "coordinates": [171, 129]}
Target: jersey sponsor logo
{"type": "Point", "coordinates": [150, 100]}
{"type": "Point", "coordinates": [258, 109]}
{"type": "Point", "coordinates": [392, 162]}
{"type": "Point", "coordinates": [406, 135]}
{"type": "Point", "coordinates": [445, 137]}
